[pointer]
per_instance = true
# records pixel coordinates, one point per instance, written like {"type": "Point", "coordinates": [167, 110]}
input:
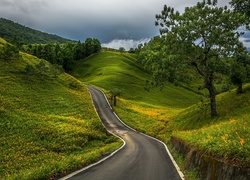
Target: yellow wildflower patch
{"type": "Point", "coordinates": [242, 141]}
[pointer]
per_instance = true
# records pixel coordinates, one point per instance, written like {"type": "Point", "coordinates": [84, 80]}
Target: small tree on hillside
{"type": "Point", "coordinates": [42, 68]}
{"type": "Point", "coordinates": [114, 93]}
{"type": "Point", "coordinates": [240, 70]}
{"type": "Point", "coordinates": [29, 70]}
{"type": "Point", "coordinates": [9, 52]}
{"type": "Point", "coordinates": [201, 36]}
{"type": "Point", "coordinates": [121, 50]}
{"type": "Point", "coordinates": [56, 70]}
{"type": "Point", "coordinates": [90, 46]}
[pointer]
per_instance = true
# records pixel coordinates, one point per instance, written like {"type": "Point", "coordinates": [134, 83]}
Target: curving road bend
{"type": "Point", "coordinates": [142, 158]}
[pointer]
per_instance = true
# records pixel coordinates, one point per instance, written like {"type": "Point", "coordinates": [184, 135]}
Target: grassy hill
{"type": "Point", "coordinates": [115, 71]}
{"type": "Point", "coordinates": [174, 111]}
{"type": "Point", "coordinates": [48, 126]}
{"type": "Point", "coordinates": [226, 137]}
{"type": "Point", "coordinates": [12, 31]}
{"type": "Point", "coordinates": [146, 111]}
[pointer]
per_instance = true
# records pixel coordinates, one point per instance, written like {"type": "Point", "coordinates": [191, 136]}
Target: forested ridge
{"type": "Point", "coordinates": [64, 54]}
{"type": "Point", "coordinates": [55, 49]}
{"type": "Point", "coordinates": [16, 33]}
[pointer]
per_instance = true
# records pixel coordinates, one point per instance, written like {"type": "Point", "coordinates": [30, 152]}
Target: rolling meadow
{"type": "Point", "coordinates": [174, 110]}
{"type": "Point", "coordinates": [49, 126]}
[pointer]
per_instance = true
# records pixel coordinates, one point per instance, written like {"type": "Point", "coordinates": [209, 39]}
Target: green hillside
{"type": "Point", "coordinates": [12, 31]}
{"type": "Point", "coordinates": [174, 110]}
{"type": "Point", "coordinates": [226, 137]}
{"type": "Point", "coordinates": [146, 111]}
{"type": "Point", "coordinates": [48, 126]}
{"type": "Point", "coordinates": [115, 71]}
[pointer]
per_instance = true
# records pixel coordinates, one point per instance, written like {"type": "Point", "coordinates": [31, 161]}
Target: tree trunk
{"type": "Point", "coordinates": [239, 89]}
{"type": "Point", "coordinates": [212, 94]}
{"type": "Point", "coordinates": [114, 100]}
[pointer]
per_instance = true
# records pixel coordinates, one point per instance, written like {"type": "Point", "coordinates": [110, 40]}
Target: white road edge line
{"type": "Point", "coordinates": [100, 161]}
{"type": "Point", "coordinates": [124, 143]}
{"type": "Point", "coordinates": [170, 155]}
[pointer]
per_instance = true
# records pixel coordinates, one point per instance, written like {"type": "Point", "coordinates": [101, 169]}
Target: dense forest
{"type": "Point", "coordinates": [57, 50]}
{"type": "Point", "coordinates": [19, 34]}
{"type": "Point", "coordinates": [64, 54]}
{"type": "Point", "coordinates": [61, 55]}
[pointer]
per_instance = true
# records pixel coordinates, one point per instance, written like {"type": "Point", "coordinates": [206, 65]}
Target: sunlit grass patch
{"type": "Point", "coordinates": [174, 109]}
{"type": "Point", "coordinates": [226, 137]}
{"type": "Point", "coordinates": [229, 141]}
{"type": "Point", "coordinates": [147, 111]}
{"type": "Point", "coordinates": [48, 125]}
{"type": "Point", "coordinates": [154, 112]}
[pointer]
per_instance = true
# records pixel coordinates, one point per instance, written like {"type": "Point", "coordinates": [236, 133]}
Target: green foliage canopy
{"type": "Point", "coordinates": [18, 34]}
{"type": "Point", "coordinates": [242, 6]}
{"type": "Point", "coordinates": [240, 70]}
{"type": "Point", "coordinates": [64, 54]}
{"type": "Point", "coordinates": [9, 52]}
{"type": "Point", "coordinates": [199, 38]}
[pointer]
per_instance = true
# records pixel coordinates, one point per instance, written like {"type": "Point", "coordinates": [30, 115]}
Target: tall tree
{"type": "Point", "coordinates": [68, 59]}
{"type": "Point", "coordinates": [242, 6]}
{"type": "Point", "coordinates": [9, 52]}
{"type": "Point", "coordinates": [202, 35]}
{"type": "Point", "coordinates": [122, 50]}
{"type": "Point", "coordinates": [97, 45]}
{"type": "Point", "coordinates": [163, 65]}
{"type": "Point", "coordinates": [114, 93]}
{"type": "Point", "coordinates": [240, 69]}
{"type": "Point", "coordinates": [79, 51]}
{"type": "Point", "coordinates": [90, 46]}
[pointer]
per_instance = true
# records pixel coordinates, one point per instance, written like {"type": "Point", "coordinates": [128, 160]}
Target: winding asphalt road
{"type": "Point", "coordinates": [141, 158]}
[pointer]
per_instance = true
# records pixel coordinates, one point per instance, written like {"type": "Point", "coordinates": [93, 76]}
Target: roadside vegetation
{"type": "Point", "coordinates": [191, 83]}
{"type": "Point", "coordinates": [48, 125]}
{"type": "Point", "coordinates": [173, 111]}
{"type": "Point", "coordinates": [226, 137]}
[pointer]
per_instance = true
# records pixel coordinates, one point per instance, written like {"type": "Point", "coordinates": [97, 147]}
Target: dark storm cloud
{"type": "Point", "coordinates": [78, 19]}
{"type": "Point", "coordinates": [22, 6]}
{"type": "Point", "coordinates": [103, 19]}
{"type": "Point", "coordinates": [25, 12]}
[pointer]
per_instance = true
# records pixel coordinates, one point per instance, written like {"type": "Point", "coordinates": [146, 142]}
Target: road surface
{"type": "Point", "coordinates": [142, 158]}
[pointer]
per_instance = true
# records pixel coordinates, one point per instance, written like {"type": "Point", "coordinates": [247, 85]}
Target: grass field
{"type": "Point", "coordinates": [174, 111]}
{"type": "Point", "coordinates": [226, 137]}
{"type": "Point", "coordinates": [147, 111]}
{"type": "Point", "coordinates": [113, 71]}
{"type": "Point", "coordinates": [48, 125]}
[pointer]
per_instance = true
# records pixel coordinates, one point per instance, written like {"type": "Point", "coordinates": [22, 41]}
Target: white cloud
{"type": "Point", "coordinates": [126, 43]}
{"type": "Point", "coordinates": [245, 41]}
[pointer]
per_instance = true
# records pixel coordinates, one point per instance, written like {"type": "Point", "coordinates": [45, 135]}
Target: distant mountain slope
{"type": "Point", "coordinates": [10, 30]}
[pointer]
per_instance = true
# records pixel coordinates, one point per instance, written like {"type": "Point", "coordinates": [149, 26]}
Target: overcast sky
{"type": "Point", "coordinates": [116, 23]}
